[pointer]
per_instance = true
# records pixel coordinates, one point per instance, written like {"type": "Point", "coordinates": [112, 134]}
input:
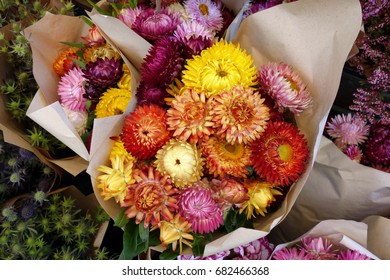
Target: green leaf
{"type": "Point", "coordinates": [234, 220]}
{"type": "Point", "coordinates": [168, 254]}
{"type": "Point", "coordinates": [122, 220]}
{"type": "Point", "coordinates": [133, 3]}
{"type": "Point", "coordinates": [198, 244]}
{"type": "Point", "coordinates": [97, 8]}
{"type": "Point", "coordinates": [78, 62]}
{"type": "Point", "coordinates": [154, 238]}
{"type": "Point", "coordinates": [76, 45]}
{"type": "Point", "coordinates": [135, 240]}
{"type": "Point", "coordinates": [87, 20]}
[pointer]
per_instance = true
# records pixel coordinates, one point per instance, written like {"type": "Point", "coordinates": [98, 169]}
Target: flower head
{"type": "Point", "coordinates": [377, 147]}
{"type": "Point", "coordinates": [104, 72]}
{"type": "Point", "coordinates": [354, 153]}
{"type": "Point", "coordinates": [150, 198]}
{"type": "Point", "coordinates": [261, 195]}
{"type": "Point", "coordinates": [148, 94]}
{"type": "Point", "coordinates": [114, 180]}
{"type": "Point", "coordinates": [153, 25]}
{"type": "Point", "coordinates": [229, 192]}
{"type": "Point", "coordinates": [104, 51]}
{"type": "Point", "coordinates": [128, 15]}
{"type": "Point", "coordinates": [352, 255]}
{"type": "Point", "coordinates": [223, 158]}
{"type": "Point", "coordinates": [280, 155]}
{"type": "Point", "coordinates": [64, 62]}
{"type": "Point", "coordinates": [320, 248]}
{"type": "Point", "coordinates": [239, 114]}
{"type": "Point", "coordinates": [206, 12]}
{"type": "Point", "coordinates": [78, 119]}
{"type": "Point", "coordinates": [285, 87]}
{"type": "Point", "coordinates": [219, 67]}
{"type": "Point", "coordinates": [94, 37]}
{"type": "Point", "coordinates": [347, 129]}
{"type": "Point", "coordinates": [71, 90]}
{"type": "Point", "coordinates": [163, 62]}
{"type": "Point", "coordinates": [118, 149]}
{"type": "Point", "coordinates": [259, 249]}
{"type": "Point", "coordinates": [292, 254]}
{"type": "Point", "coordinates": [199, 208]}
{"type": "Point", "coordinates": [189, 117]}
{"type": "Point", "coordinates": [113, 101]}
{"type": "Point", "coordinates": [181, 161]}
{"type": "Point", "coordinates": [175, 231]}
{"type": "Point", "coordinates": [145, 131]}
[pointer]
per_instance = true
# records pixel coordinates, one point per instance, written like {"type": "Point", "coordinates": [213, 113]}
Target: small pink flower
{"type": "Point", "coordinates": [352, 255]}
{"type": "Point", "coordinates": [259, 249]}
{"type": "Point", "coordinates": [292, 254]}
{"type": "Point", "coordinates": [71, 90]}
{"type": "Point", "coordinates": [94, 37]}
{"type": "Point", "coordinates": [206, 12]}
{"type": "Point", "coordinates": [198, 207]}
{"type": "Point", "coordinates": [347, 129]}
{"type": "Point", "coordinates": [354, 153]}
{"type": "Point", "coordinates": [128, 16]}
{"type": "Point", "coordinates": [320, 248]}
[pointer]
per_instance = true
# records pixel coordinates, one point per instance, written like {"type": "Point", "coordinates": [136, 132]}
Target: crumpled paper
{"type": "Point", "coordinates": [337, 188]}
{"type": "Point", "coordinates": [46, 37]}
{"type": "Point", "coordinates": [342, 233]}
{"type": "Point", "coordinates": [313, 36]}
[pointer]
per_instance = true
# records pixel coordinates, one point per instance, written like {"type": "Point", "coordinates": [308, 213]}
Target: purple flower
{"type": "Point", "coordinates": [259, 249]}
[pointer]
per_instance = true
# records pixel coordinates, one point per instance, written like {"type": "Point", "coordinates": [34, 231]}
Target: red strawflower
{"type": "Point", "coordinates": [145, 131]}
{"type": "Point", "coordinates": [280, 155]}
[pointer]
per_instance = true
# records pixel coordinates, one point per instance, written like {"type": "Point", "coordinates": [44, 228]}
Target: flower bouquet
{"type": "Point", "coordinates": [328, 240]}
{"type": "Point", "coordinates": [160, 160]}
{"type": "Point", "coordinates": [17, 84]}
{"type": "Point", "coordinates": [81, 76]}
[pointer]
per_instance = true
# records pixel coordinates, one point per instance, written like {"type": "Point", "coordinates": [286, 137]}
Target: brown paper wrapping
{"type": "Point", "coordinates": [378, 236]}
{"type": "Point", "coordinates": [342, 233]}
{"type": "Point", "coordinates": [313, 36]}
{"type": "Point", "coordinates": [337, 188]}
{"type": "Point", "coordinates": [45, 38]}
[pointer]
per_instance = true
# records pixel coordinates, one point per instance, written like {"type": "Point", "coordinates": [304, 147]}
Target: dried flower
{"type": "Point", "coordinates": [176, 231]}
{"type": "Point", "coordinates": [71, 91]}
{"type": "Point", "coordinates": [104, 72]}
{"type": "Point", "coordinates": [113, 101]}
{"type": "Point", "coordinates": [206, 12]}
{"type": "Point", "coordinates": [229, 192]}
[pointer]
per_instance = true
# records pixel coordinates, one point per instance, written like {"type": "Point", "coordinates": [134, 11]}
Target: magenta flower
{"type": "Point", "coordinates": [259, 249]}
{"type": "Point", "coordinates": [206, 12]}
{"type": "Point", "coordinates": [285, 87]}
{"type": "Point", "coordinates": [354, 153]}
{"type": "Point", "coordinates": [347, 129]}
{"type": "Point", "coordinates": [256, 6]}
{"type": "Point", "coordinates": [199, 209]}
{"type": "Point", "coordinates": [163, 62]}
{"type": "Point", "coordinates": [153, 25]}
{"type": "Point", "coordinates": [104, 72]}
{"type": "Point", "coordinates": [194, 36]}
{"type": "Point", "coordinates": [352, 255]}
{"type": "Point", "coordinates": [71, 90]}
{"type": "Point", "coordinates": [128, 16]}
{"type": "Point", "coordinates": [150, 94]}
{"type": "Point", "coordinates": [377, 147]}
{"type": "Point", "coordinates": [292, 254]}
{"type": "Point", "coordinates": [320, 248]}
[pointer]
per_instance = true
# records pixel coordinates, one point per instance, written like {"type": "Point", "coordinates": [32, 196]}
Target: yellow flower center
{"type": "Point", "coordinates": [285, 152]}
{"type": "Point", "coordinates": [231, 151]}
{"type": "Point", "coordinates": [204, 9]}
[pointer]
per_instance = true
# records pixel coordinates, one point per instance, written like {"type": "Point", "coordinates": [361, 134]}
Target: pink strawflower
{"type": "Point", "coordinates": [151, 94]}
{"type": "Point", "coordinates": [128, 15]}
{"type": "Point", "coordinates": [259, 249]}
{"type": "Point", "coordinates": [206, 12]}
{"type": "Point", "coordinates": [194, 36]}
{"type": "Point", "coordinates": [292, 254]}
{"type": "Point", "coordinates": [229, 192]}
{"type": "Point", "coordinates": [352, 255]}
{"type": "Point", "coordinates": [377, 147]}
{"type": "Point", "coordinates": [285, 87]}
{"type": "Point", "coordinates": [199, 209]}
{"type": "Point", "coordinates": [94, 38]}
{"type": "Point", "coordinates": [347, 129]}
{"type": "Point", "coordinates": [153, 25]}
{"type": "Point", "coordinates": [218, 256]}
{"type": "Point", "coordinates": [320, 248]}
{"type": "Point", "coordinates": [163, 62]}
{"type": "Point", "coordinates": [354, 153]}
{"type": "Point", "coordinates": [71, 90]}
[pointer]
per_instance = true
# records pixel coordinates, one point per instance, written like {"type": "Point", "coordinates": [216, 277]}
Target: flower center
{"type": "Point", "coordinates": [285, 152]}
{"type": "Point", "coordinates": [177, 162]}
{"type": "Point", "coordinates": [194, 112]}
{"type": "Point", "coordinates": [204, 9]}
{"type": "Point", "coordinates": [233, 151]}
{"type": "Point", "coordinates": [241, 112]}
{"type": "Point", "coordinates": [222, 73]}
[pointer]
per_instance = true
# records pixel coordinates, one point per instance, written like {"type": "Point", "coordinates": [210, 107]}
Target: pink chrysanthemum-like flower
{"type": "Point", "coordinates": [128, 15]}
{"type": "Point", "coordinates": [198, 207]}
{"type": "Point", "coordinates": [206, 12]}
{"type": "Point", "coordinates": [259, 249]}
{"type": "Point", "coordinates": [354, 153]}
{"type": "Point", "coordinates": [239, 115]}
{"type": "Point", "coordinates": [153, 25]}
{"type": "Point", "coordinates": [150, 198]}
{"type": "Point", "coordinates": [287, 89]}
{"type": "Point", "coordinates": [352, 255]}
{"type": "Point", "coordinates": [347, 129]}
{"type": "Point", "coordinates": [292, 254]}
{"type": "Point", "coordinates": [194, 36]}
{"type": "Point", "coordinates": [189, 116]}
{"type": "Point", "coordinates": [223, 158]}
{"type": "Point", "coordinates": [163, 62]}
{"type": "Point", "coordinates": [320, 248]}
{"type": "Point", "coordinates": [71, 90]}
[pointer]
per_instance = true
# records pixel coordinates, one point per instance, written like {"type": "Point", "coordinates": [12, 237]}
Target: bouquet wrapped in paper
{"type": "Point", "coordinates": [236, 148]}
{"type": "Point", "coordinates": [81, 78]}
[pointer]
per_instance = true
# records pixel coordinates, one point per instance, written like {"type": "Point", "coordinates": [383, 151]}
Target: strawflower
{"type": "Point", "coordinates": [352, 255]}
{"type": "Point", "coordinates": [112, 102]}
{"type": "Point", "coordinates": [181, 161]}
{"type": "Point", "coordinates": [206, 12]}
{"type": "Point", "coordinates": [281, 154]}
{"type": "Point", "coordinates": [292, 254]}
{"type": "Point", "coordinates": [150, 199]}
{"type": "Point", "coordinates": [319, 248]}
{"type": "Point", "coordinates": [229, 192]}
{"type": "Point", "coordinates": [71, 91]}
{"type": "Point", "coordinates": [259, 249]}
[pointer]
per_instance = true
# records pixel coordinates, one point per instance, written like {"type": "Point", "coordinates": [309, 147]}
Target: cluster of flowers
{"type": "Point", "coordinates": [34, 224]}
{"type": "Point", "coordinates": [317, 248]}
{"type": "Point", "coordinates": [260, 5]}
{"type": "Point", "coordinates": [19, 86]}
{"type": "Point", "coordinates": [364, 136]}
{"type": "Point", "coordinates": [94, 82]}
{"type": "Point", "coordinates": [259, 249]}
{"type": "Point", "coordinates": [215, 139]}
